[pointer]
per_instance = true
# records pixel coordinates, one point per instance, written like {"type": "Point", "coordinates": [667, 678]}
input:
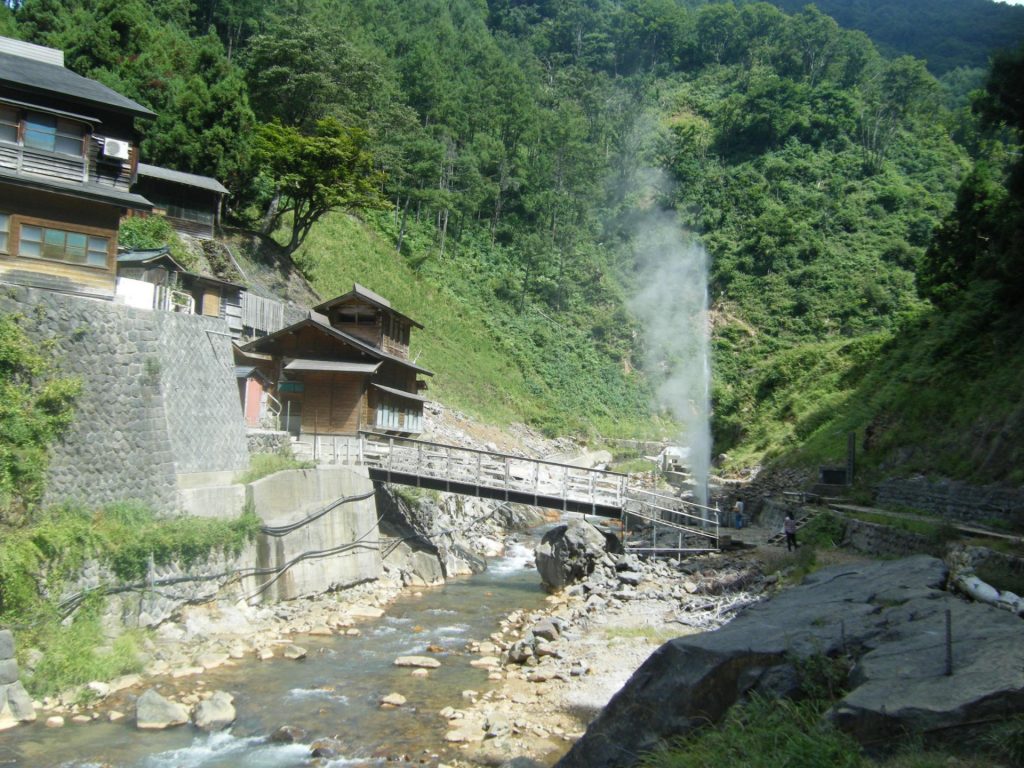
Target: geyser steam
{"type": "Point", "coordinates": [672, 303]}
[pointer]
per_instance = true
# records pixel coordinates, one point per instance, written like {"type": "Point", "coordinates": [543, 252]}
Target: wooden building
{"type": "Point", "coordinates": [68, 157]}
{"type": "Point", "coordinates": [152, 279]}
{"type": "Point", "coordinates": [191, 203]}
{"type": "Point", "coordinates": [346, 368]}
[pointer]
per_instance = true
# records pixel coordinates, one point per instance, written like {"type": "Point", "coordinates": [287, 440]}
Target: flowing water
{"type": "Point", "coordinates": [334, 692]}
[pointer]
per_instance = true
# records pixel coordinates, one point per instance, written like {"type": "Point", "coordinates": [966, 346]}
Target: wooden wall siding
{"type": "Point", "coordinates": [109, 172]}
{"type": "Point", "coordinates": [261, 315]}
{"type": "Point", "coordinates": [50, 165]}
{"type": "Point", "coordinates": [193, 228]}
{"type": "Point", "coordinates": [231, 311]}
{"type": "Point", "coordinates": [368, 332]}
{"type": "Point", "coordinates": [331, 403]}
{"type": "Point", "coordinates": [311, 343]}
{"type": "Point", "coordinates": [396, 376]}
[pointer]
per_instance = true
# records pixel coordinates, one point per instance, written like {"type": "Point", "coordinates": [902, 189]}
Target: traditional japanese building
{"type": "Point", "coordinates": [68, 159]}
{"type": "Point", "coordinates": [344, 369]}
{"type": "Point", "coordinates": [191, 202]}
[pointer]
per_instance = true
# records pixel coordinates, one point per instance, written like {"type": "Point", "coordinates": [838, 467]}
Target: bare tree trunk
{"type": "Point", "coordinates": [401, 227]}
{"type": "Point", "coordinates": [270, 219]}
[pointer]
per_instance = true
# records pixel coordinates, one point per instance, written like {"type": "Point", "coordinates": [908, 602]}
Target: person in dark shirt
{"type": "Point", "coordinates": [789, 528]}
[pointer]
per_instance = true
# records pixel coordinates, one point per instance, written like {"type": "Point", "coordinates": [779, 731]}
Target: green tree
{"type": "Point", "coordinates": [330, 170]}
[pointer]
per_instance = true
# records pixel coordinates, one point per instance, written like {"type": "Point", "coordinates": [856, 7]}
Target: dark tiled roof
{"type": "Point", "coordinates": [39, 76]}
{"type": "Point", "coordinates": [180, 177]}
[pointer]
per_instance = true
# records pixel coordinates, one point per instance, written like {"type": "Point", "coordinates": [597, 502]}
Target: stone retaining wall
{"type": "Point", "coordinates": [953, 500]}
{"type": "Point", "coordinates": [159, 399]}
{"type": "Point", "coordinates": [269, 441]}
{"type": "Point", "coordinates": [875, 539]}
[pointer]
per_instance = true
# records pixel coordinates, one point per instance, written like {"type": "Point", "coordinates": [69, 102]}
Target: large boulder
{"type": "Point", "coordinates": [216, 712]}
{"type": "Point", "coordinates": [889, 616]}
{"type": "Point", "coordinates": [569, 553]}
{"type": "Point", "coordinates": [154, 712]}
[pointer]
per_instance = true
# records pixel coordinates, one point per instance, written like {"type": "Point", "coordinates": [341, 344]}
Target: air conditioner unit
{"type": "Point", "coordinates": [116, 149]}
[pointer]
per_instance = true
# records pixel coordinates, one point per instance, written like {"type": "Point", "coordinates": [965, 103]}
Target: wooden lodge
{"type": "Point", "coordinates": [343, 369]}
{"type": "Point", "coordinates": [191, 203]}
{"type": "Point", "coordinates": [68, 159]}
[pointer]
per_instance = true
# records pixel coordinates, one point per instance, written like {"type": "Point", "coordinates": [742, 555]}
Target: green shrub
{"type": "Point", "coordinates": [77, 653]}
{"type": "Point", "coordinates": [763, 733]}
{"type": "Point", "coordinates": [264, 464]}
{"type": "Point", "coordinates": [151, 232]}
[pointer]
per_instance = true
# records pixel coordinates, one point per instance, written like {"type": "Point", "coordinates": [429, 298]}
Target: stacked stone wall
{"type": "Point", "coordinates": [953, 500]}
{"type": "Point", "coordinates": [875, 539]}
{"type": "Point", "coordinates": [269, 441]}
{"type": "Point", "coordinates": [159, 398]}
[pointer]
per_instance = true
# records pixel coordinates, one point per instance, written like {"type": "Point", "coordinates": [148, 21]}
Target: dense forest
{"type": "Point", "coordinates": [484, 163]}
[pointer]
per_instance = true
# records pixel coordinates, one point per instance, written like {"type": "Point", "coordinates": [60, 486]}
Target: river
{"type": "Point", "coordinates": [335, 692]}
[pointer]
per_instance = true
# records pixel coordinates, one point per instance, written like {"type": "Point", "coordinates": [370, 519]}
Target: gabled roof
{"type": "Point", "coordinates": [42, 77]}
{"type": "Point", "coordinates": [361, 292]}
{"type": "Point", "coordinates": [180, 177]}
{"type": "Point", "coordinates": [146, 257]}
{"type": "Point", "coordinates": [319, 322]}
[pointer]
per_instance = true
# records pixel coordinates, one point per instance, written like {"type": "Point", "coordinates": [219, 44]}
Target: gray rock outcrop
{"type": "Point", "coordinates": [569, 553]}
{"type": "Point", "coordinates": [888, 616]}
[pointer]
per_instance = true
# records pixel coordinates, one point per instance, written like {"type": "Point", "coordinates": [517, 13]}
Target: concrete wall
{"type": "Point", "coordinates": [159, 403]}
{"type": "Point", "coordinates": [953, 500]}
{"type": "Point", "coordinates": [346, 538]}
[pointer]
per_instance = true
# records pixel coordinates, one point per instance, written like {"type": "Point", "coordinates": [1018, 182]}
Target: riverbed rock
{"type": "Point", "coordinates": [154, 712]}
{"type": "Point", "coordinates": [569, 553]}
{"type": "Point", "coordinates": [216, 712]}
{"type": "Point", "coordinates": [289, 734]}
{"type": "Point", "coordinates": [392, 700]}
{"type": "Point", "coordinates": [424, 662]}
{"type": "Point", "coordinates": [328, 748]}
{"type": "Point", "coordinates": [15, 706]}
{"type": "Point", "coordinates": [294, 652]}
{"type": "Point", "coordinates": [889, 615]}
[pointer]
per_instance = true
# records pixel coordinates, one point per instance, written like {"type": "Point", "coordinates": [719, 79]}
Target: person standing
{"type": "Point", "coordinates": [737, 511]}
{"type": "Point", "coordinates": [789, 528]}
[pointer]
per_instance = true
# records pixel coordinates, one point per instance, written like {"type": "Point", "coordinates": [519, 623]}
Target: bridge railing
{"type": "Point", "coordinates": [674, 516]}
{"type": "Point", "coordinates": [500, 471]}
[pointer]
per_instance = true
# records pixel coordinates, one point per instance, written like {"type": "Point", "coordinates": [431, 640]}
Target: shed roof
{"type": "Point", "coordinates": [361, 292]}
{"type": "Point", "coordinates": [88, 191]}
{"type": "Point", "coordinates": [401, 393]}
{"type": "Point", "coordinates": [332, 366]}
{"type": "Point", "coordinates": [180, 177]}
{"type": "Point", "coordinates": [150, 256]}
{"type": "Point", "coordinates": [42, 77]}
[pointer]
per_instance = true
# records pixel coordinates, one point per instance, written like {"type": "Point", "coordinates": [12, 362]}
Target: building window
{"type": "Point", "coordinates": [54, 134]}
{"type": "Point", "coordinates": [8, 125]}
{"type": "Point", "coordinates": [5, 230]}
{"type": "Point", "coordinates": [62, 245]}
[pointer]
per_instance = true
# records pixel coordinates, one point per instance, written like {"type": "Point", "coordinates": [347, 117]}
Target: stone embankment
{"type": "Point", "coordinates": [887, 619]}
{"type": "Point", "coordinates": [554, 670]}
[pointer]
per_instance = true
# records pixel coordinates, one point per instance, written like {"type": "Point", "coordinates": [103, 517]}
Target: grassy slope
{"type": "Point", "coordinates": [488, 359]}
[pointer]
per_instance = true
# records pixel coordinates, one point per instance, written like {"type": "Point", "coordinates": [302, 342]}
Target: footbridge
{"type": "Point", "coordinates": [674, 524]}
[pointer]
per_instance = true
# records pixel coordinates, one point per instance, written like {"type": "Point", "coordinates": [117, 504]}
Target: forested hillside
{"type": "Point", "coordinates": [483, 165]}
{"type": "Point", "coordinates": [947, 33]}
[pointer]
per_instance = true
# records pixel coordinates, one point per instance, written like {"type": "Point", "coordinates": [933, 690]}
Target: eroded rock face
{"type": "Point", "coordinates": [889, 616]}
{"type": "Point", "coordinates": [569, 553]}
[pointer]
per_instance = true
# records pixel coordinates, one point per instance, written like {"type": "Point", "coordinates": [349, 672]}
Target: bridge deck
{"type": "Point", "coordinates": [535, 482]}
